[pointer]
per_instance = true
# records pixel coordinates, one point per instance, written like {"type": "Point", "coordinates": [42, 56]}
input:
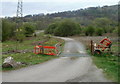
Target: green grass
{"type": "Point", "coordinates": [26, 44]}
{"type": "Point", "coordinates": [29, 58]}
{"type": "Point", "coordinates": [29, 44]}
{"type": "Point", "coordinates": [109, 63]}
{"type": "Point", "coordinates": [115, 47]}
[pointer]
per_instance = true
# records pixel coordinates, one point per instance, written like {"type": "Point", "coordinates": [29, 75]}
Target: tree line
{"type": "Point", "coordinates": [11, 30]}
{"type": "Point", "coordinates": [89, 21]}
{"type": "Point", "coordinates": [65, 27]}
{"type": "Point", "coordinates": [69, 27]}
{"type": "Point", "coordinates": [83, 16]}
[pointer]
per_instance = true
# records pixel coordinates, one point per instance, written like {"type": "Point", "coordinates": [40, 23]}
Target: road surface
{"type": "Point", "coordinates": [74, 65]}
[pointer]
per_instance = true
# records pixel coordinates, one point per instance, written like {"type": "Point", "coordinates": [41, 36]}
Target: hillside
{"type": "Point", "coordinates": [90, 13]}
{"type": "Point", "coordinates": [102, 19]}
{"type": "Point", "coordinates": [83, 16]}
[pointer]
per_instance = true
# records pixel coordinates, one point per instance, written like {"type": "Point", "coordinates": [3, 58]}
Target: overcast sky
{"type": "Point", "coordinates": [9, 7]}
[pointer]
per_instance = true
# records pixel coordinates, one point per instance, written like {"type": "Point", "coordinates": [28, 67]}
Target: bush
{"type": "Point", "coordinates": [116, 31]}
{"type": "Point", "coordinates": [67, 28]}
{"type": "Point", "coordinates": [51, 28]}
{"type": "Point", "coordinates": [29, 29]}
{"type": "Point", "coordinates": [99, 31]}
{"type": "Point", "coordinates": [89, 30]}
{"type": "Point", "coordinates": [104, 23]}
{"type": "Point", "coordinates": [20, 34]}
{"type": "Point", "coordinates": [8, 29]}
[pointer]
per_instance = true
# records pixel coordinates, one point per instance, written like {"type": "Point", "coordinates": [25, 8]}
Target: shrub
{"type": "Point", "coordinates": [8, 29]}
{"type": "Point", "coordinates": [116, 30]}
{"type": "Point", "coordinates": [99, 31]}
{"type": "Point", "coordinates": [29, 29]}
{"type": "Point", "coordinates": [20, 34]}
{"type": "Point", "coordinates": [51, 28]}
{"type": "Point", "coordinates": [67, 28]}
{"type": "Point", "coordinates": [89, 30]}
{"type": "Point", "coordinates": [104, 23]}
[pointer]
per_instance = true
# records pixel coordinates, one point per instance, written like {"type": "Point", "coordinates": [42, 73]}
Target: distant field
{"type": "Point", "coordinates": [108, 62]}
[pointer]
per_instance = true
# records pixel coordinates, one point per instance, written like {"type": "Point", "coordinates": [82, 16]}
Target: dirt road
{"type": "Point", "coordinates": [74, 65]}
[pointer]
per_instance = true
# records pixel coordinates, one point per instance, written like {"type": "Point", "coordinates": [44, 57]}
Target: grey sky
{"type": "Point", "coordinates": [9, 7]}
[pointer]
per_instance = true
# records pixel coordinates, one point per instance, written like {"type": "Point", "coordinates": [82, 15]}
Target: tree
{"type": "Point", "coordinates": [8, 29]}
{"type": "Point", "coordinates": [51, 28]}
{"type": "Point", "coordinates": [103, 23]}
{"type": "Point", "coordinates": [99, 31]}
{"type": "Point", "coordinates": [39, 25]}
{"type": "Point", "coordinates": [29, 29]}
{"type": "Point", "coordinates": [67, 28]}
{"type": "Point", "coordinates": [89, 30]}
{"type": "Point", "coordinates": [20, 34]}
{"type": "Point", "coordinates": [116, 31]}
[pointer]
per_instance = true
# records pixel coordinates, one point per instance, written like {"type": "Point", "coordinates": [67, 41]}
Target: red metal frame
{"type": "Point", "coordinates": [48, 50]}
{"type": "Point", "coordinates": [104, 44]}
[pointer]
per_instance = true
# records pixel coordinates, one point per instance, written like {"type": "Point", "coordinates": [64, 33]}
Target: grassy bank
{"type": "Point", "coordinates": [29, 58]}
{"type": "Point", "coordinates": [28, 43]}
{"type": "Point", "coordinates": [109, 63]}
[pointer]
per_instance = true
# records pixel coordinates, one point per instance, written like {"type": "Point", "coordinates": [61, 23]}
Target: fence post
{"type": "Point", "coordinates": [42, 49]}
{"type": "Point", "coordinates": [92, 47]}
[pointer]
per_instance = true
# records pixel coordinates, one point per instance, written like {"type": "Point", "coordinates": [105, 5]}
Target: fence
{"type": "Point", "coordinates": [48, 50]}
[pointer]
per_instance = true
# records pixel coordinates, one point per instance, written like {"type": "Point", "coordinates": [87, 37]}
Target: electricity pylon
{"type": "Point", "coordinates": [19, 13]}
{"type": "Point", "coordinates": [19, 8]}
{"type": "Point", "coordinates": [19, 21]}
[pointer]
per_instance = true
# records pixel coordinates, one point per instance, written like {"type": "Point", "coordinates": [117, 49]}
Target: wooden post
{"type": "Point", "coordinates": [42, 49]}
{"type": "Point", "coordinates": [92, 48]}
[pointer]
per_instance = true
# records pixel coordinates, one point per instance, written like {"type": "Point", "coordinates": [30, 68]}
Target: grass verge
{"type": "Point", "coordinates": [109, 64]}
{"type": "Point", "coordinates": [29, 57]}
